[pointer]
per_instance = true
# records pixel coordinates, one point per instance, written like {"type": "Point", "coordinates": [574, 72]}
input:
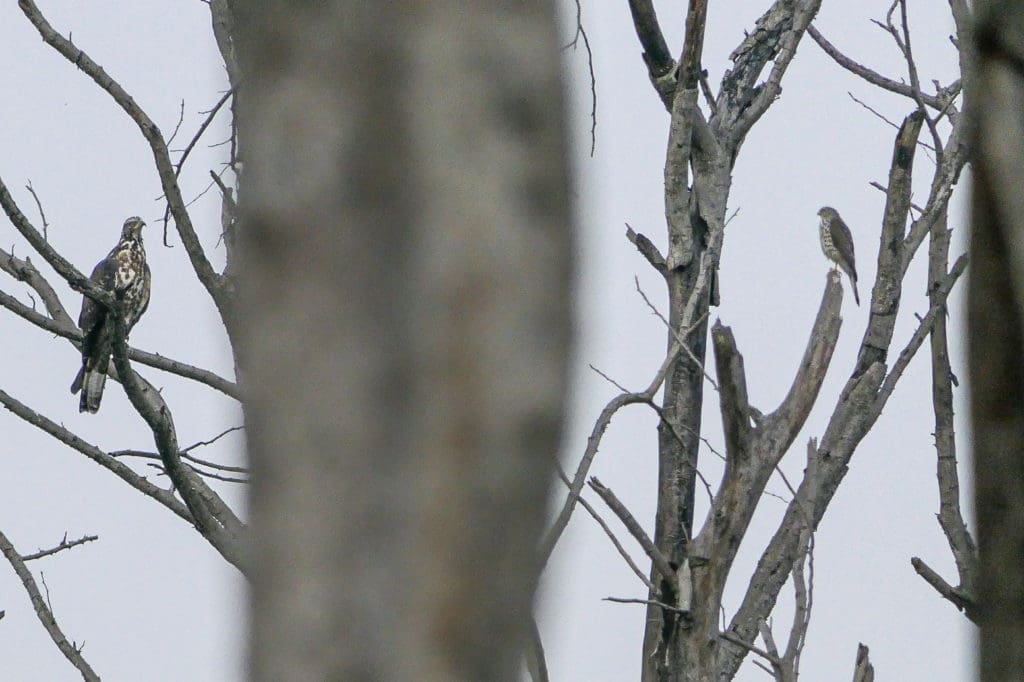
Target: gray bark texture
{"type": "Point", "coordinates": [405, 296]}
{"type": "Point", "coordinates": [996, 334]}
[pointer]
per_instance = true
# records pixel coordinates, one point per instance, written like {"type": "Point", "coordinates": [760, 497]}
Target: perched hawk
{"type": "Point", "coordinates": [837, 243]}
{"type": "Point", "coordinates": [125, 274]}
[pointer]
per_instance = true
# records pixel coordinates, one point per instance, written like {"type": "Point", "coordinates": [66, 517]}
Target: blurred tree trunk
{"type": "Point", "coordinates": [405, 290]}
{"type": "Point", "coordinates": [996, 333]}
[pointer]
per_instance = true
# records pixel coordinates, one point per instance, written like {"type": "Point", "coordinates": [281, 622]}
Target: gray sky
{"type": "Point", "coordinates": [152, 600]}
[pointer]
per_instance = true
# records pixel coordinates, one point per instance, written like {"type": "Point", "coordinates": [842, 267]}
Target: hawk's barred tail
{"type": "Point", "coordinates": [92, 392]}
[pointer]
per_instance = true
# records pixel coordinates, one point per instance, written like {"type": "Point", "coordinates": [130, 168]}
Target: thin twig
{"type": "Point", "coordinates": [680, 337]}
{"type": "Point", "coordinates": [25, 271]}
{"type": "Point", "coordinates": [594, 442]}
{"type": "Point", "coordinates": [892, 124]}
{"type": "Point", "coordinates": [119, 469]}
{"type": "Point", "coordinates": [885, 190]}
{"type": "Point", "coordinates": [582, 33]}
{"type": "Point", "coordinates": [42, 215]}
{"type": "Point", "coordinates": [733, 639]}
{"type": "Point", "coordinates": [924, 328]}
{"type": "Point", "coordinates": [607, 531]}
{"type": "Point", "coordinates": [208, 474]}
{"type": "Point", "coordinates": [177, 127]}
{"type": "Point", "coordinates": [213, 440]}
{"type": "Point", "coordinates": [607, 378]}
{"type": "Point", "coordinates": [915, 82]}
{"type": "Point", "coordinates": [224, 190]}
{"type": "Point", "coordinates": [142, 454]}
{"type": "Point", "coordinates": [211, 114]}
{"type": "Point", "coordinates": [646, 602]}
{"type": "Point", "coordinates": [64, 544]}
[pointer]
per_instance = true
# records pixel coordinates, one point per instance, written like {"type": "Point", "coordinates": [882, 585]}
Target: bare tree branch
{"type": "Point", "coordinates": [875, 78]}
{"type": "Point", "coordinates": [119, 469]}
{"type": "Point", "coordinates": [45, 614]}
{"type": "Point", "coordinates": [656, 55]}
{"type": "Point", "coordinates": [782, 425]}
{"type": "Point", "coordinates": [885, 297]}
{"type": "Point", "coordinates": [64, 544]}
{"type": "Point", "coordinates": [776, 37]}
{"type": "Point", "coordinates": [603, 420]}
{"type": "Point", "coordinates": [75, 279]}
{"type": "Point", "coordinates": [956, 596]}
{"type": "Point", "coordinates": [657, 558]}
{"type": "Point", "coordinates": [736, 412]}
{"type": "Point", "coordinates": [140, 454]}
{"type": "Point", "coordinates": [733, 639]}
{"type": "Point", "coordinates": [581, 32]}
{"type": "Point", "coordinates": [924, 328]}
{"type": "Point", "coordinates": [210, 115]}
{"type": "Point", "coordinates": [850, 421]}
{"type": "Point", "coordinates": [39, 205]}
{"type": "Point", "coordinates": [74, 334]}
{"type": "Point", "coordinates": [915, 81]}
{"type": "Point", "coordinates": [863, 670]}
{"type": "Point", "coordinates": [214, 519]}
{"type": "Point", "coordinates": [646, 602]}
{"type": "Point", "coordinates": [25, 271]}
{"type": "Point", "coordinates": [607, 531]}
{"type": "Point", "coordinates": [647, 249]}
{"type": "Point", "coordinates": [961, 544]}
{"type": "Point", "coordinates": [946, 176]}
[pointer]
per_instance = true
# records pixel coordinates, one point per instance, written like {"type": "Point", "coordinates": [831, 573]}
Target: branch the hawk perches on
{"type": "Point", "coordinates": [125, 274]}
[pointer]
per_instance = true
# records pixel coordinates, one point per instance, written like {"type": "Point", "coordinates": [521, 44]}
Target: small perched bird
{"type": "Point", "coordinates": [125, 274]}
{"type": "Point", "coordinates": [837, 243]}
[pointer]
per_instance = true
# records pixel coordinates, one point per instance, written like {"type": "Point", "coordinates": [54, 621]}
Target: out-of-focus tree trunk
{"type": "Point", "coordinates": [406, 305]}
{"type": "Point", "coordinates": [996, 333]}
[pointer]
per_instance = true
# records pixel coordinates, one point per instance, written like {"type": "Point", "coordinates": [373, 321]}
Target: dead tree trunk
{"type": "Point", "coordinates": [691, 563]}
{"type": "Point", "coordinates": [405, 292]}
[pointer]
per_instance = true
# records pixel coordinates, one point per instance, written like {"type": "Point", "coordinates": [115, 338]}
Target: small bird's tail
{"type": "Point", "coordinates": [856, 296]}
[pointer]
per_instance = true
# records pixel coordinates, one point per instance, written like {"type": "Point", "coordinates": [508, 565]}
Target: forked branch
{"type": "Point", "coordinates": [43, 612]}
